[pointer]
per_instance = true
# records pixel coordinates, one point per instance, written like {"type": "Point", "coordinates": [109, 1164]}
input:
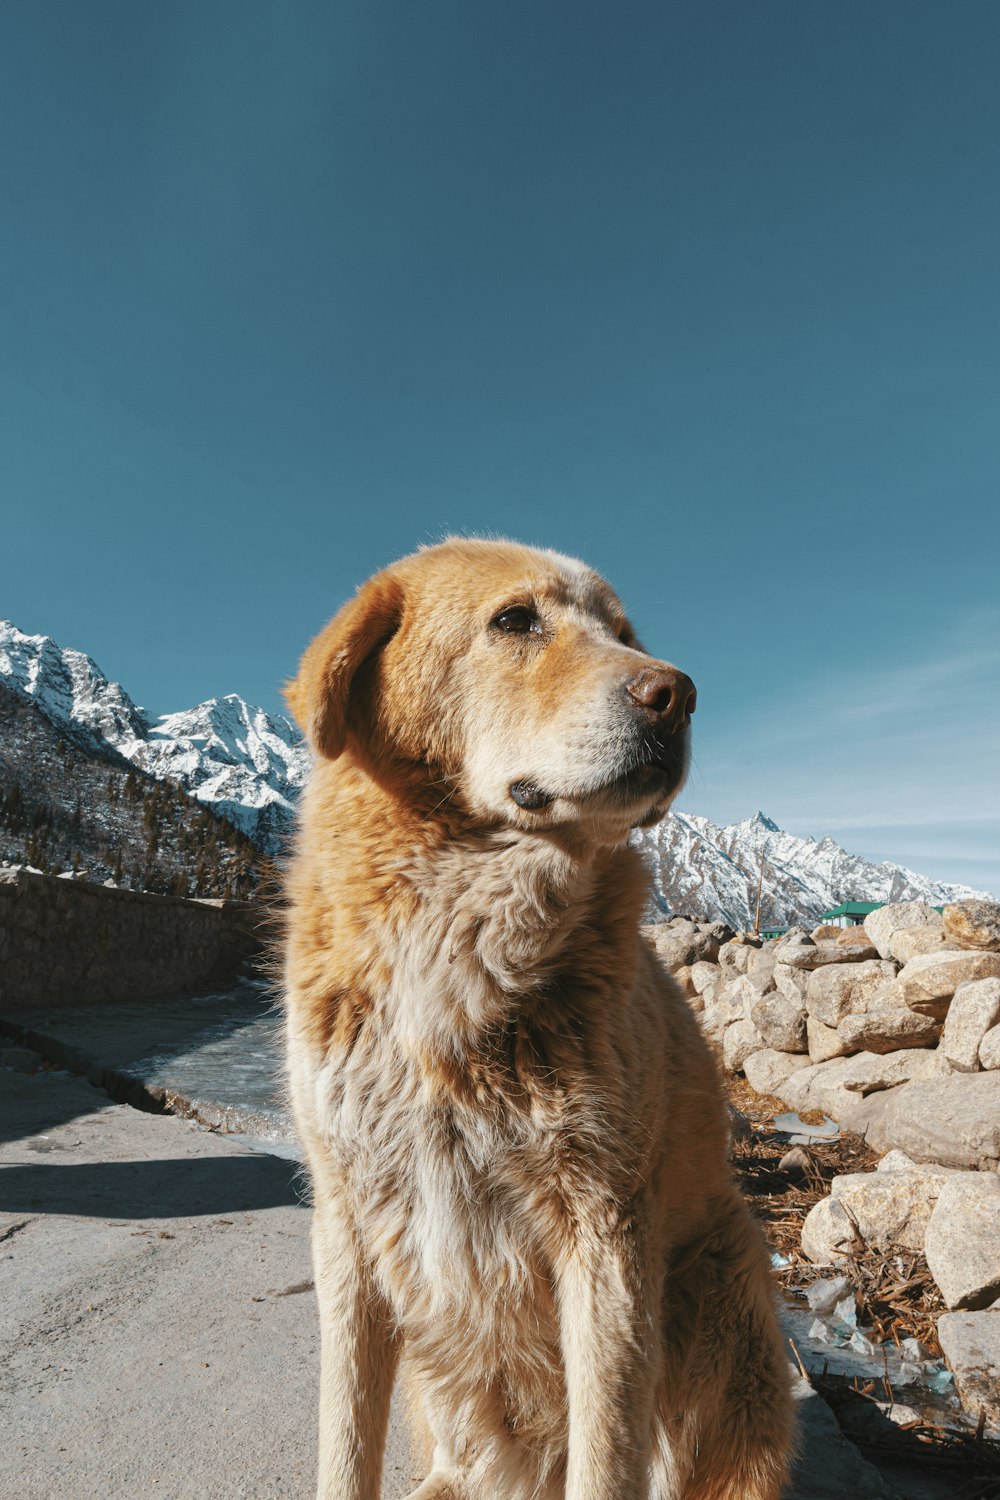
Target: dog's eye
{"type": "Point", "coordinates": [518, 620]}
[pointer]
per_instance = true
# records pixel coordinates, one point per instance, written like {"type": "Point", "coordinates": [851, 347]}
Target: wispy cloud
{"type": "Point", "coordinates": [899, 752]}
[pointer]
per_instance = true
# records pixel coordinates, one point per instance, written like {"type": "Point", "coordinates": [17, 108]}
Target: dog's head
{"type": "Point", "coordinates": [510, 676]}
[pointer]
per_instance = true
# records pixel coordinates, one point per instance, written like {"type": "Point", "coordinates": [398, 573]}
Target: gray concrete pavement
{"type": "Point", "coordinates": [159, 1326]}
{"type": "Point", "coordinates": [160, 1329]}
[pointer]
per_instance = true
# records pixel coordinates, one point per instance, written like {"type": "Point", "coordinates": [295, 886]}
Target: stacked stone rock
{"type": "Point", "coordinates": [894, 1031]}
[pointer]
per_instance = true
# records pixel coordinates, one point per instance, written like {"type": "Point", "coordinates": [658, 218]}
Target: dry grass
{"type": "Point", "coordinates": [894, 1290]}
{"type": "Point", "coordinates": [895, 1293]}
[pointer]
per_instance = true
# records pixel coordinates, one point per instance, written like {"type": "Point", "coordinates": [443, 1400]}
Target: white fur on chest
{"type": "Point", "coordinates": [438, 1186]}
{"type": "Point", "coordinates": [435, 1189]}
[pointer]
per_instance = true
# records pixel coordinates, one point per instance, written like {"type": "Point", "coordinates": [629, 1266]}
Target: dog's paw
{"type": "Point", "coordinates": [438, 1486]}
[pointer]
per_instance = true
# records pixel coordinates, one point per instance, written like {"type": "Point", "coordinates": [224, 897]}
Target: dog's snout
{"type": "Point", "coordinates": [666, 695]}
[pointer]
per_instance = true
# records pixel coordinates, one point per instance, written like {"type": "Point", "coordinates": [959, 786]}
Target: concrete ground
{"type": "Point", "coordinates": [160, 1333]}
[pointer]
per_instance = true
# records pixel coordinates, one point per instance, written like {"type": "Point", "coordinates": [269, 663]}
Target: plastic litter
{"type": "Point", "coordinates": [801, 1134]}
{"type": "Point", "coordinates": [837, 1323]}
{"type": "Point", "coordinates": [823, 1296]}
{"type": "Point", "coordinates": [846, 1312]}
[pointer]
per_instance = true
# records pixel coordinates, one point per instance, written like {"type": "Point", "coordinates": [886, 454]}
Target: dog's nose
{"type": "Point", "coordinates": [666, 695]}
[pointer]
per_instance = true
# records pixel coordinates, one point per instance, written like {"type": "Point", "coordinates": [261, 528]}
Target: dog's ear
{"type": "Point", "coordinates": [319, 695]}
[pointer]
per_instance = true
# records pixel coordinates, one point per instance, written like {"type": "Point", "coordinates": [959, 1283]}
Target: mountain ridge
{"type": "Point", "coordinates": [702, 869]}
{"type": "Point", "coordinates": [250, 765]}
{"type": "Point", "coordinates": [245, 763]}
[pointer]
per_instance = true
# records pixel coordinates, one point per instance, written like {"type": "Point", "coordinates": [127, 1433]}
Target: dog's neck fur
{"type": "Point", "coordinates": [473, 952]}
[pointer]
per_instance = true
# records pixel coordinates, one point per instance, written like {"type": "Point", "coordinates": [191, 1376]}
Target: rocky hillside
{"type": "Point", "coordinates": [241, 762]}
{"type": "Point", "coordinates": [66, 804]}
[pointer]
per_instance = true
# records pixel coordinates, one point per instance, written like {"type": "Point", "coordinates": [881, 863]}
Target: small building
{"type": "Point", "coordinates": [849, 913]}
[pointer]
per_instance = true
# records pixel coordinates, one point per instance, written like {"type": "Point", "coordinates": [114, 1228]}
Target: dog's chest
{"type": "Point", "coordinates": [456, 1189]}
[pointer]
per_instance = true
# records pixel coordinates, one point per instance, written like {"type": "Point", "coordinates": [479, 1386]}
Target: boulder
{"type": "Point", "coordinates": [679, 944]}
{"type": "Point", "coordinates": [888, 1030]}
{"type": "Point", "coordinates": [725, 1006]}
{"type": "Point", "coordinates": [973, 924]}
{"type": "Point", "coordinates": [971, 1344]}
{"type": "Point", "coordinates": [761, 960]}
{"type": "Point", "coordinates": [962, 1243]}
{"type": "Point", "coordinates": [799, 956]}
{"type": "Point", "coordinates": [898, 1161]}
{"type": "Point", "coordinates": [733, 958]}
{"type": "Point", "coordinates": [832, 1087]}
{"type": "Point", "coordinates": [928, 981]}
{"type": "Point", "coordinates": [891, 1208]}
{"type": "Point", "coordinates": [740, 1041]}
{"type": "Point", "coordinates": [871, 1072]}
{"type": "Point", "coordinates": [768, 1070]}
{"type": "Point", "coordinates": [825, 1041]}
{"type": "Point", "coordinates": [881, 923]}
{"type": "Point", "coordinates": [708, 996]}
{"type": "Point", "coordinates": [720, 930]}
{"type": "Point", "coordinates": [974, 1009]}
{"type": "Point", "coordinates": [791, 982]}
{"type": "Point", "coordinates": [759, 979]}
{"type": "Point", "coordinates": [746, 991]}
{"type": "Point", "coordinates": [793, 935]}
{"type": "Point", "coordinates": [954, 1121]}
{"type": "Point", "coordinates": [781, 1022]}
{"type": "Point", "coordinates": [837, 990]}
{"type": "Point", "coordinates": [704, 975]}
{"type": "Point", "coordinates": [706, 944]}
{"type": "Point", "coordinates": [796, 1161]}
{"type": "Point", "coordinates": [828, 1235]}
{"type": "Point", "coordinates": [826, 931]}
{"type": "Point", "coordinates": [989, 1049]}
{"type": "Point", "coordinates": [911, 942]}
{"type": "Point", "coordinates": [852, 937]}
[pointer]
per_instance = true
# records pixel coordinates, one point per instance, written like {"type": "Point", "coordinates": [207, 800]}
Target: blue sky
{"type": "Point", "coordinates": [704, 293]}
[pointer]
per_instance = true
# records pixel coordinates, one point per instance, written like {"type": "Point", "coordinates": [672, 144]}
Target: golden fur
{"type": "Point", "coordinates": [515, 1132]}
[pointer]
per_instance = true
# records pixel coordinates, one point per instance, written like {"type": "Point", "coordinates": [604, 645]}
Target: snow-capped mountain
{"type": "Point", "coordinates": [250, 765]}
{"type": "Point", "coordinates": [68, 687]}
{"type": "Point", "coordinates": [703, 870]}
{"type": "Point", "coordinates": [246, 764]}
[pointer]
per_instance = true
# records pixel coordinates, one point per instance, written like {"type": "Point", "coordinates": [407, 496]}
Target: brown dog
{"type": "Point", "coordinates": [515, 1132]}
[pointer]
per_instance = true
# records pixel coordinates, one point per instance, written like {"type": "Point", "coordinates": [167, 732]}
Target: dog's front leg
{"type": "Point", "coordinates": [605, 1331]}
{"type": "Point", "coordinates": [359, 1353]}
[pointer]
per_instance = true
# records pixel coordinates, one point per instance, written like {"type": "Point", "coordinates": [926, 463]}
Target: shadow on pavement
{"type": "Point", "coordinates": [181, 1188]}
{"type": "Point", "coordinates": [33, 1104]}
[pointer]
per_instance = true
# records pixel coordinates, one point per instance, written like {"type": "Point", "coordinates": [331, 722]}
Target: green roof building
{"type": "Point", "coordinates": [850, 913]}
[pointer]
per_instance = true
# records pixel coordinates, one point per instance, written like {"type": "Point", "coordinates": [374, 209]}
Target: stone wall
{"type": "Point", "coordinates": [67, 942]}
